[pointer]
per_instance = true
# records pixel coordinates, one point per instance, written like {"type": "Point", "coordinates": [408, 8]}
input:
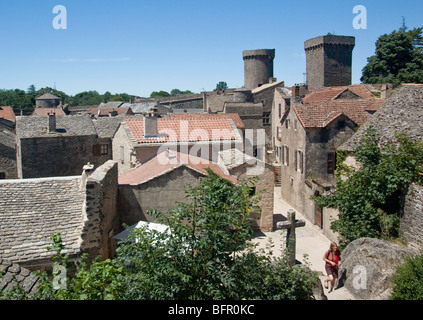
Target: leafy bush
{"type": "Point", "coordinates": [408, 280]}
{"type": "Point", "coordinates": [369, 199]}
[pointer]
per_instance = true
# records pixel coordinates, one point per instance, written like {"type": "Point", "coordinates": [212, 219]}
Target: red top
{"type": "Point", "coordinates": [333, 257]}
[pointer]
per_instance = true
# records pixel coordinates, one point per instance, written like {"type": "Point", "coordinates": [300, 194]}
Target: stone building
{"type": "Point", "coordinates": [83, 209]}
{"type": "Point", "coordinates": [329, 60]}
{"type": "Point", "coordinates": [242, 167]}
{"type": "Point", "coordinates": [48, 100]}
{"type": "Point", "coordinates": [258, 67]}
{"type": "Point", "coordinates": [60, 146]}
{"type": "Point", "coordinates": [309, 130]}
{"type": "Point", "coordinates": [140, 139]}
{"type": "Point", "coordinates": [8, 168]}
{"type": "Point", "coordinates": [159, 184]}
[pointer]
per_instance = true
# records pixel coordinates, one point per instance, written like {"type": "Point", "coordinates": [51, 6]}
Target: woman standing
{"type": "Point", "coordinates": [332, 258]}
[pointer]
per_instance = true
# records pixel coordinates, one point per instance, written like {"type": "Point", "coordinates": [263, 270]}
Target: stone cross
{"type": "Point", "coordinates": [290, 225]}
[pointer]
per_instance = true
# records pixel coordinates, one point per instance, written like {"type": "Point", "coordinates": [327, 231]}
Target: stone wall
{"type": "Point", "coordinates": [160, 193]}
{"type": "Point", "coordinates": [101, 212]}
{"type": "Point", "coordinates": [8, 162]}
{"type": "Point", "coordinates": [264, 190]}
{"type": "Point", "coordinates": [411, 227]}
{"type": "Point", "coordinates": [58, 156]}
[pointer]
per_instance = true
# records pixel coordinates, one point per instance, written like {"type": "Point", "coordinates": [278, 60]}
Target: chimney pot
{"type": "Point", "coordinates": [51, 122]}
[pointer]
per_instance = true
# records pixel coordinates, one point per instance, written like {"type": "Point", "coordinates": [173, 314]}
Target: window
{"type": "Point", "coordinates": [300, 161]}
{"type": "Point", "coordinates": [266, 118]}
{"type": "Point", "coordinates": [285, 154]}
{"type": "Point", "coordinates": [280, 110]}
{"type": "Point", "coordinates": [104, 149]}
{"type": "Point", "coordinates": [287, 123]}
{"type": "Point", "coordinates": [2, 175]}
{"type": "Point", "coordinates": [122, 154]}
{"type": "Point", "coordinates": [331, 162]}
{"type": "Point", "coordinates": [341, 125]}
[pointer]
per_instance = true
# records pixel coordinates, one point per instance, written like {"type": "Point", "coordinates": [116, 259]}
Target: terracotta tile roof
{"type": "Point", "coordinates": [331, 93]}
{"type": "Point", "coordinates": [322, 113]}
{"type": "Point", "coordinates": [45, 111]}
{"type": "Point", "coordinates": [7, 113]}
{"type": "Point", "coordinates": [105, 111]}
{"type": "Point", "coordinates": [320, 108]}
{"type": "Point", "coordinates": [185, 130]}
{"type": "Point", "coordinates": [168, 161]}
{"type": "Point", "coordinates": [234, 116]}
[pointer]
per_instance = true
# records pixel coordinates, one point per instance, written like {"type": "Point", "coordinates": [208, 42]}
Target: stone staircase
{"type": "Point", "coordinates": [277, 176]}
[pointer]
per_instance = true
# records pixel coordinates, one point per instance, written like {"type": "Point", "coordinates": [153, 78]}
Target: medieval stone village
{"type": "Point", "coordinates": [85, 172]}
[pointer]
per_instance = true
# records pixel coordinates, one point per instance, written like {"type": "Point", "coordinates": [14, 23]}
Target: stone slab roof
{"type": "Point", "coordinates": [36, 126]}
{"type": "Point", "coordinates": [107, 127]}
{"type": "Point", "coordinates": [168, 161]}
{"type": "Point", "coordinates": [48, 96]}
{"type": "Point", "coordinates": [13, 274]}
{"type": "Point", "coordinates": [32, 210]}
{"type": "Point", "coordinates": [7, 139]}
{"type": "Point", "coordinates": [402, 113]}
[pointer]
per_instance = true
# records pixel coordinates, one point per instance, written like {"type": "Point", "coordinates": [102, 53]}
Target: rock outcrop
{"type": "Point", "coordinates": [368, 264]}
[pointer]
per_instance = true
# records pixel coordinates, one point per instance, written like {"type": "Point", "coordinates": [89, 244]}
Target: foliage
{"type": "Point", "coordinates": [221, 86]}
{"type": "Point", "coordinates": [205, 255]}
{"type": "Point", "coordinates": [408, 279]}
{"type": "Point", "coordinates": [97, 281]}
{"type": "Point", "coordinates": [398, 58]}
{"type": "Point", "coordinates": [369, 198]}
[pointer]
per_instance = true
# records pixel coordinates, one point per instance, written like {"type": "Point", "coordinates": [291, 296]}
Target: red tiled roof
{"type": "Point", "coordinates": [7, 113]}
{"type": "Point", "coordinates": [45, 111]}
{"type": "Point", "coordinates": [322, 113]}
{"type": "Point", "coordinates": [333, 92]}
{"type": "Point", "coordinates": [168, 161]}
{"type": "Point", "coordinates": [180, 129]}
{"type": "Point", "coordinates": [199, 116]}
{"type": "Point", "coordinates": [106, 111]}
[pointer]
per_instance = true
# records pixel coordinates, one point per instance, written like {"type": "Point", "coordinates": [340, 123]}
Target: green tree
{"type": "Point", "coordinates": [398, 58]}
{"type": "Point", "coordinates": [408, 279]}
{"type": "Point", "coordinates": [175, 92]}
{"type": "Point", "coordinates": [221, 86]}
{"type": "Point", "coordinates": [159, 94]}
{"type": "Point", "coordinates": [369, 199]}
{"type": "Point", "coordinates": [206, 254]}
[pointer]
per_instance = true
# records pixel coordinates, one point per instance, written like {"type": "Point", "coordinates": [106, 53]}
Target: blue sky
{"type": "Point", "coordinates": [140, 46]}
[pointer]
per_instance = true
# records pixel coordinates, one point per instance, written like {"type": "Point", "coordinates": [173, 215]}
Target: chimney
{"type": "Point", "coordinates": [150, 124]}
{"type": "Point", "coordinates": [296, 91]}
{"type": "Point", "coordinates": [51, 122]}
{"type": "Point", "coordinates": [86, 170]}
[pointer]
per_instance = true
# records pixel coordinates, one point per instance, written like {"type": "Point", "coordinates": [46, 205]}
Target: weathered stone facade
{"type": "Point", "coordinates": [258, 67]}
{"type": "Point", "coordinates": [329, 60]}
{"type": "Point", "coordinates": [243, 167]}
{"type": "Point", "coordinates": [75, 141]}
{"type": "Point", "coordinates": [8, 169]}
{"type": "Point", "coordinates": [160, 193]}
{"type": "Point", "coordinates": [411, 226]}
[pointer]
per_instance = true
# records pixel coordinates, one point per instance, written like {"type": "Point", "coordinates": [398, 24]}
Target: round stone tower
{"type": "Point", "coordinates": [258, 67]}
